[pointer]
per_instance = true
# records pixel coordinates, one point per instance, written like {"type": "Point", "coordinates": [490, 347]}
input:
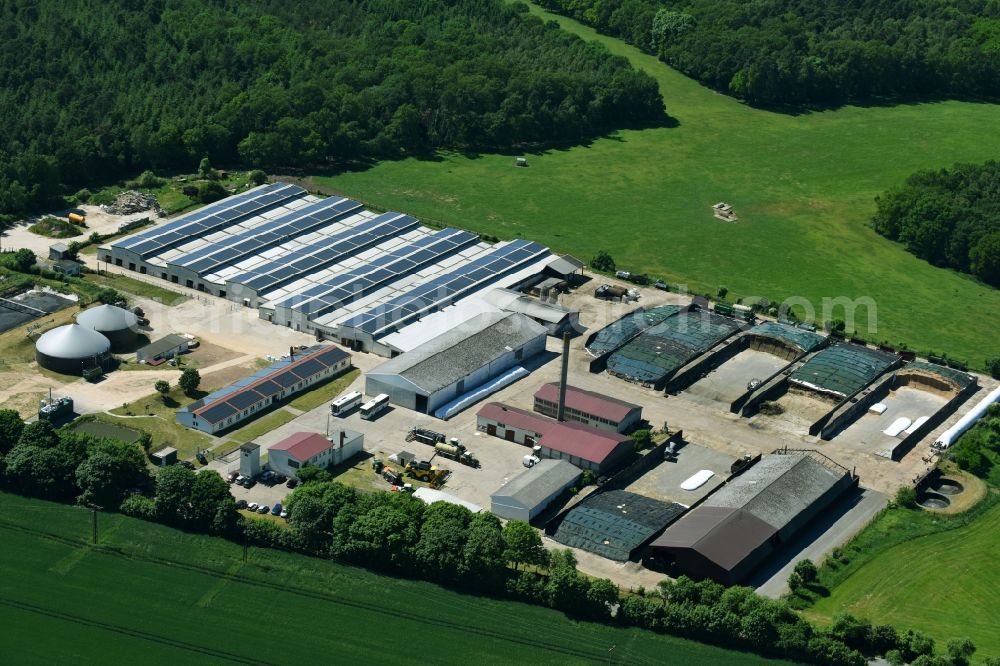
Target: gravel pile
{"type": "Point", "coordinates": [130, 201]}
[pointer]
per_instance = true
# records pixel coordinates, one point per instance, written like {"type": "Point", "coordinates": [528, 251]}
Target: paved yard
{"type": "Point", "coordinates": [663, 482]}
{"type": "Point", "coordinates": [729, 381]}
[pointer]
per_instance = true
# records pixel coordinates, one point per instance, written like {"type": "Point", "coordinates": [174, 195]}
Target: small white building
{"type": "Point", "coordinates": [309, 448]}
{"type": "Point", "coordinates": [530, 492]}
{"type": "Point", "coordinates": [250, 459]}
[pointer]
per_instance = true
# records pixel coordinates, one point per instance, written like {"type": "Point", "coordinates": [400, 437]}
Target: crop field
{"type": "Point", "coordinates": [153, 594]}
{"type": "Point", "coordinates": [949, 586]}
{"type": "Point", "coordinates": [803, 187]}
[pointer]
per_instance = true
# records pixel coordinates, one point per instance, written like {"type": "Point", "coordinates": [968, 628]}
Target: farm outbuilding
{"type": "Point", "coordinates": [457, 361]}
{"type": "Point", "coordinates": [737, 527]}
{"type": "Point", "coordinates": [251, 395]}
{"type": "Point", "coordinates": [589, 408]}
{"type": "Point", "coordinates": [118, 325]}
{"type": "Point", "coordinates": [530, 492]}
{"type": "Point", "coordinates": [588, 448]}
{"type": "Point", "coordinates": [325, 266]}
{"type": "Point", "coordinates": [555, 318]}
{"type": "Point", "coordinates": [309, 448]}
{"type": "Point", "coordinates": [72, 349]}
{"type": "Point", "coordinates": [163, 349]}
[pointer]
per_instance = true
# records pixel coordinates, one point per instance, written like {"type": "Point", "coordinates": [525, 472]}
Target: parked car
{"type": "Point", "coordinates": [186, 463]}
{"type": "Point", "coordinates": [263, 509]}
{"type": "Point", "coordinates": [284, 514]}
{"type": "Point", "coordinates": [201, 458]}
{"type": "Point", "coordinates": [624, 275]}
{"type": "Point", "coordinates": [232, 477]}
{"type": "Point", "coordinates": [252, 506]}
{"type": "Point", "coordinates": [292, 483]}
{"type": "Point", "coordinates": [249, 482]}
{"type": "Point", "coordinates": [276, 509]}
{"type": "Point", "coordinates": [661, 285]}
{"type": "Point", "coordinates": [241, 504]}
{"type": "Point", "coordinates": [280, 478]}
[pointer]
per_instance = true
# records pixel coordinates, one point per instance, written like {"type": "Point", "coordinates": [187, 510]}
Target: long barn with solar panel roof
{"type": "Point", "coordinates": [325, 266]}
{"type": "Point", "coordinates": [245, 399]}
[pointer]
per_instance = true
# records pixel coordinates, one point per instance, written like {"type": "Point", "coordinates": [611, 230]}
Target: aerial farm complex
{"type": "Point", "coordinates": [668, 436]}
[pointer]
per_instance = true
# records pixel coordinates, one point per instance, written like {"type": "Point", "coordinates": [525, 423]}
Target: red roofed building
{"type": "Point", "coordinates": [310, 448]}
{"type": "Point", "coordinates": [588, 448]}
{"type": "Point", "coordinates": [589, 408]}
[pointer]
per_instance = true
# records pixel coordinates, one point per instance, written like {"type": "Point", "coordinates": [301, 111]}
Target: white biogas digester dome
{"type": "Point", "coordinates": [118, 325]}
{"type": "Point", "coordinates": [71, 348]}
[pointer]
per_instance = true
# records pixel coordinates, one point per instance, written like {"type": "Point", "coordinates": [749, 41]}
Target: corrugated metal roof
{"type": "Point", "coordinates": [777, 489]}
{"type": "Point", "coordinates": [456, 354]}
{"type": "Point", "coordinates": [569, 437]}
{"type": "Point", "coordinates": [565, 265]}
{"type": "Point", "coordinates": [576, 439]}
{"type": "Point", "coordinates": [590, 402]}
{"type": "Point", "coordinates": [724, 535]}
{"type": "Point", "coordinates": [515, 417]}
{"type": "Point", "coordinates": [164, 344]}
{"type": "Point", "coordinates": [514, 301]}
{"type": "Point", "coordinates": [538, 483]}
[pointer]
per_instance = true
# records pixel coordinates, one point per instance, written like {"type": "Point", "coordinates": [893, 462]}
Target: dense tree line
{"type": "Point", "coordinates": [106, 89]}
{"type": "Point", "coordinates": [796, 52]}
{"type": "Point", "coordinates": [949, 217]}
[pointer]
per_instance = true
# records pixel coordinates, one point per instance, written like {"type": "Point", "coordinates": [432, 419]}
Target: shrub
{"type": "Point", "coordinates": [257, 177]}
{"type": "Point", "coordinates": [603, 262]}
{"type": "Point", "coordinates": [146, 180]}
{"type": "Point", "coordinates": [906, 497]}
{"type": "Point", "coordinates": [771, 408]}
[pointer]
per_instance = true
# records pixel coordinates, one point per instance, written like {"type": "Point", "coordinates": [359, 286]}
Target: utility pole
{"type": "Point", "coordinates": [93, 521]}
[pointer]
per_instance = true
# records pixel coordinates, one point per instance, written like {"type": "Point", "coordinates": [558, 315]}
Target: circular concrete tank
{"type": "Point", "coordinates": [118, 325]}
{"type": "Point", "coordinates": [71, 348]}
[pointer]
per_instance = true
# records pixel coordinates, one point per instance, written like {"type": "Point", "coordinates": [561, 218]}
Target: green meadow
{"type": "Point", "coordinates": [802, 185]}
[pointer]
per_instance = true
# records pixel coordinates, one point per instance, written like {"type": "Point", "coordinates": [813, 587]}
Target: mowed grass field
{"type": "Point", "coordinates": [802, 185]}
{"type": "Point", "coordinates": [946, 584]}
{"type": "Point", "coordinates": [158, 596]}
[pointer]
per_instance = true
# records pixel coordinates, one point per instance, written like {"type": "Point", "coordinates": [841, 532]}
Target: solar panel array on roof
{"type": "Point", "coordinates": [324, 252]}
{"type": "Point", "coordinates": [447, 288]}
{"type": "Point", "coordinates": [268, 382]}
{"type": "Point", "coordinates": [230, 250]}
{"type": "Point", "coordinates": [344, 288]}
{"type": "Point", "coordinates": [210, 218]}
